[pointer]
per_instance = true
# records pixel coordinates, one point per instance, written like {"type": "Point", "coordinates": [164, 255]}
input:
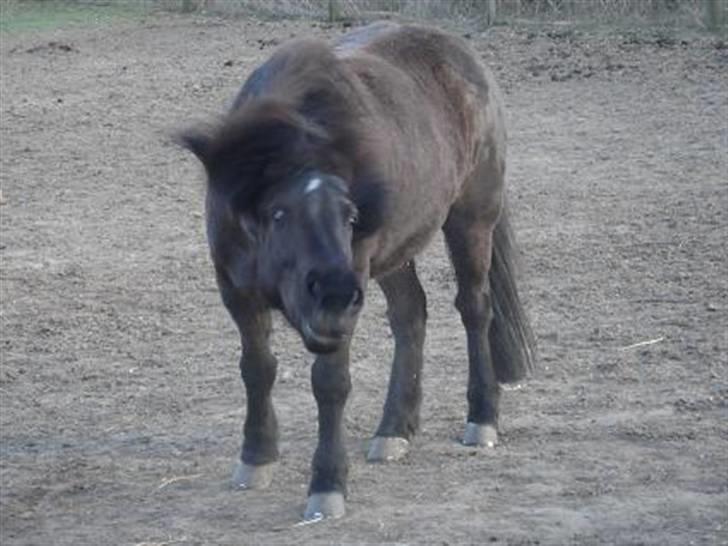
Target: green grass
{"type": "Point", "coordinates": [34, 15]}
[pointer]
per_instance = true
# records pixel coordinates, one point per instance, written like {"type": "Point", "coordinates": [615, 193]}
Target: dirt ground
{"type": "Point", "coordinates": [122, 406]}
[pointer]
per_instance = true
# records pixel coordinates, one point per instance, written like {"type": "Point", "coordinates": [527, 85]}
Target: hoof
{"type": "Point", "coordinates": [249, 476]}
{"type": "Point", "coordinates": [387, 448]}
{"type": "Point", "coordinates": [480, 435]}
{"type": "Point", "coordinates": [323, 506]}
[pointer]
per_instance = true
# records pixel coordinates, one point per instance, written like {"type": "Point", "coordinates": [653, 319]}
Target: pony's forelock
{"type": "Point", "coordinates": [309, 120]}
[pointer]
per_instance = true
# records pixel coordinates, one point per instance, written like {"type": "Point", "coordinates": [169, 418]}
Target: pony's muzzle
{"type": "Point", "coordinates": [337, 299]}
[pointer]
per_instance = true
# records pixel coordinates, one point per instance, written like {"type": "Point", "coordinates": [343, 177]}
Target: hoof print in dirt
{"type": "Point", "coordinates": [52, 47]}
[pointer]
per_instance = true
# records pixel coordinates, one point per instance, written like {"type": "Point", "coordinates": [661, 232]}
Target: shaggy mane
{"type": "Point", "coordinates": [297, 112]}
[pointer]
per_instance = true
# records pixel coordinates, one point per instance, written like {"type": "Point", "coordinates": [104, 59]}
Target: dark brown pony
{"type": "Point", "coordinates": [337, 164]}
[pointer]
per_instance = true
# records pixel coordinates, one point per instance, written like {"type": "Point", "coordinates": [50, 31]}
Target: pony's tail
{"type": "Point", "coordinates": [512, 345]}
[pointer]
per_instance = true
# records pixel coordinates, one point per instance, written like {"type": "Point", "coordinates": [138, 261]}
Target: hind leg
{"type": "Point", "coordinates": [406, 309]}
{"type": "Point", "coordinates": [470, 241]}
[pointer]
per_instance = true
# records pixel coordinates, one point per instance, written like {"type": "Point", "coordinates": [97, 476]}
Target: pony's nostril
{"type": "Point", "coordinates": [314, 287]}
{"type": "Point", "coordinates": [357, 298]}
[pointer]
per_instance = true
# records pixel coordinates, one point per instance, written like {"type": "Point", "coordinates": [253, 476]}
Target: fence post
{"type": "Point", "coordinates": [714, 13]}
{"type": "Point", "coordinates": [492, 12]}
{"type": "Point", "coordinates": [333, 11]}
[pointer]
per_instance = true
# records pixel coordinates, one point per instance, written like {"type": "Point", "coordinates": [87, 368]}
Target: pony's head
{"type": "Point", "coordinates": [300, 198]}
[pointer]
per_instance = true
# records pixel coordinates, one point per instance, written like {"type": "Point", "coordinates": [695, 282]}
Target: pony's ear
{"type": "Point", "coordinates": [197, 141]}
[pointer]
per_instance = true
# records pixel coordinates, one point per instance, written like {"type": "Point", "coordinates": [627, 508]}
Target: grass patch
{"type": "Point", "coordinates": [38, 15]}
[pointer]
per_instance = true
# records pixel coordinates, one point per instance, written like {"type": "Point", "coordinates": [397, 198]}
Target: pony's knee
{"type": "Point", "coordinates": [258, 370]}
{"type": "Point", "coordinates": [331, 382]}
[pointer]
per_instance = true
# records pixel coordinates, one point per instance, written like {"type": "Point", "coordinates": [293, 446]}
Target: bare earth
{"type": "Point", "coordinates": [122, 406]}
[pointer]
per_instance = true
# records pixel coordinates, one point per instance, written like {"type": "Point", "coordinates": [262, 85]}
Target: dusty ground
{"type": "Point", "coordinates": [121, 401]}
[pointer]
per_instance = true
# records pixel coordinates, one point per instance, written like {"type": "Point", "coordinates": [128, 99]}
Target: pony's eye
{"type": "Point", "coordinates": [278, 215]}
{"type": "Point", "coordinates": [351, 215]}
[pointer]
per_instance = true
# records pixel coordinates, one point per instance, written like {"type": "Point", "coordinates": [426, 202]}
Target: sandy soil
{"type": "Point", "coordinates": [121, 401]}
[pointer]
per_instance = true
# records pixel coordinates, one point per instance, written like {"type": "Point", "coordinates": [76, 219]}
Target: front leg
{"type": "Point", "coordinates": [331, 385]}
{"type": "Point", "coordinates": [258, 371]}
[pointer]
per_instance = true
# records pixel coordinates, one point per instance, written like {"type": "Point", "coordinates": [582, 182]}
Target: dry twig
{"type": "Point", "coordinates": [644, 343]}
{"type": "Point", "coordinates": [176, 479]}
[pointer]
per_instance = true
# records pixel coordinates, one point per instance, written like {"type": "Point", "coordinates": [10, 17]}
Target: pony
{"type": "Point", "coordinates": [336, 164]}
